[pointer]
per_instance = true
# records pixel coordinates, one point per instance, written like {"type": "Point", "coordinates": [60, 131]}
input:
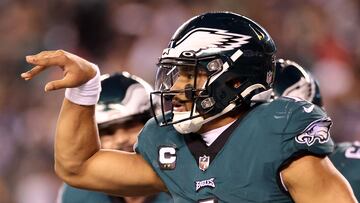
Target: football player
{"type": "Point", "coordinates": [346, 158]}
{"type": "Point", "coordinates": [293, 80]}
{"type": "Point", "coordinates": [212, 81]}
{"type": "Point", "coordinates": [121, 112]}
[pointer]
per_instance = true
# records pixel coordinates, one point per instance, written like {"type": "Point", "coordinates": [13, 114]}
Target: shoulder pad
{"type": "Point", "coordinates": [307, 129]}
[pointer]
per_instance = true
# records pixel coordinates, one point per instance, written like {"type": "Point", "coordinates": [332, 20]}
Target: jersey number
{"type": "Point", "coordinates": [353, 152]}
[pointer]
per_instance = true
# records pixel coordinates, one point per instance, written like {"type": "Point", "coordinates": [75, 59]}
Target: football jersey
{"type": "Point", "coordinates": [244, 162]}
{"type": "Point", "coordinates": [346, 158]}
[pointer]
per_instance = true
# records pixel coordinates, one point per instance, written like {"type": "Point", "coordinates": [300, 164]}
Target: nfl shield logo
{"type": "Point", "coordinates": [269, 77]}
{"type": "Point", "coordinates": [204, 162]}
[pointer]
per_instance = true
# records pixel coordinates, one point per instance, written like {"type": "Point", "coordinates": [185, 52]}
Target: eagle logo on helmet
{"type": "Point", "coordinates": [209, 39]}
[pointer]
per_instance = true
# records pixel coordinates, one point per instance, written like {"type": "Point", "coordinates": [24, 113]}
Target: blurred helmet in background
{"type": "Point", "coordinates": [124, 98]}
{"type": "Point", "coordinates": [293, 80]}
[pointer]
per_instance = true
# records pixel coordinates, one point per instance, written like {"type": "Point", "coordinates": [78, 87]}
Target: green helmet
{"type": "Point", "coordinates": [124, 97]}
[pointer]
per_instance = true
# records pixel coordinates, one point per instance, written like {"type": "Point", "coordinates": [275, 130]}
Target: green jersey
{"type": "Point", "coordinates": [346, 159]}
{"type": "Point", "coordinates": [243, 164]}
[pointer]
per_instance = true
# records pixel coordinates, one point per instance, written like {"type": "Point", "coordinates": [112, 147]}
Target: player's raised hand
{"type": "Point", "coordinates": [76, 70]}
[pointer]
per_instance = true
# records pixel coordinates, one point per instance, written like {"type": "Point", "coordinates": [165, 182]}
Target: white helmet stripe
{"type": "Point", "coordinates": [251, 88]}
{"type": "Point", "coordinates": [233, 57]}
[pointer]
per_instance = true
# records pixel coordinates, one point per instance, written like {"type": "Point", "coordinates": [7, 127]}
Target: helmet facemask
{"type": "Point", "coordinates": [180, 84]}
{"type": "Point", "coordinates": [201, 97]}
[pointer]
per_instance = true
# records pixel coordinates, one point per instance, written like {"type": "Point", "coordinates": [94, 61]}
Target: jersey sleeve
{"type": "Point", "coordinates": [307, 132]}
{"type": "Point", "coordinates": [144, 142]}
{"type": "Point", "coordinates": [150, 139]}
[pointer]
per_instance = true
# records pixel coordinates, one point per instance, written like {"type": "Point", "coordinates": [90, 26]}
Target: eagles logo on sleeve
{"type": "Point", "coordinates": [318, 130]}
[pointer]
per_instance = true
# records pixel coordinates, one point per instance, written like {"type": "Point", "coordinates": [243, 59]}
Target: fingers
{"type": "Point", "coordinates": [55, 85]}
{"type": "Point", "coordinates": [76, 70]}
{"type": "Point", "coordinates": [31, 73]}
{"type": "Point", "coordinates": [44, 60]}
{"type": "Point", "coordinates": [48, 58]}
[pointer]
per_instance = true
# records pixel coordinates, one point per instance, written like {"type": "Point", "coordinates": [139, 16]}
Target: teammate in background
{"type": "Point", "coordinates": [213, 82]}
{"type": "Point", "coordinates": [293, 80]}
{"type": "Point", "coordinates": [121, 113]}
{"type": "Point", "coordinates": [346, 159]}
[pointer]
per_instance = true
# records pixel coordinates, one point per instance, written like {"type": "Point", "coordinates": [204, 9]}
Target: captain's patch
{"type": "Point", "coordinates": [167, 157]}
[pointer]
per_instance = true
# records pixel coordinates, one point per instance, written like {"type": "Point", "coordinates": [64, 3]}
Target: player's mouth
{"type": "Point", "coordinates": [179, 105]}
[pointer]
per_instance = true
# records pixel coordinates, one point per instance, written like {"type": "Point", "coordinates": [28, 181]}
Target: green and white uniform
{"type": "Point", "coordinates": [243, 164]}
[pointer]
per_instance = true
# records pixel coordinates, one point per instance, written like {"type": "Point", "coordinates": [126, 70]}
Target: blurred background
{"type": "Point", "coordinates": [322, 35]}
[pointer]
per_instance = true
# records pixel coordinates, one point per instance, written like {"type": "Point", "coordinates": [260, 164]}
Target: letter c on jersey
{"type": "Point", "coordinates": [167, 157]}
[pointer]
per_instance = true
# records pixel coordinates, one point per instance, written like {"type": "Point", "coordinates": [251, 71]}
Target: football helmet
{"type": "Point", "coordinates": [293, 80]}
{"type": "Point", "coordinates": [234, 53]}
{"type": "Point", "coordinates": [124, 97]}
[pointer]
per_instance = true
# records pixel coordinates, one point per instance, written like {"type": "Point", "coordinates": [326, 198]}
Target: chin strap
{"type": "Point", "coordinates": [194, 125]}
{"type": "Point", "coordinates": [262, 96]}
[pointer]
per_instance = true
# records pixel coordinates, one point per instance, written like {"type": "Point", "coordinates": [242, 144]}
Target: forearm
{"type": "Point", "coordinates": [78, 158]}
{"type": "Point", "coordinates": [76, 138]}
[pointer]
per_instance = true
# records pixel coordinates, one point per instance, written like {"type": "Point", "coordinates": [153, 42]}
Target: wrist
{"type": "Point", "coordinates": [88, 93]}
